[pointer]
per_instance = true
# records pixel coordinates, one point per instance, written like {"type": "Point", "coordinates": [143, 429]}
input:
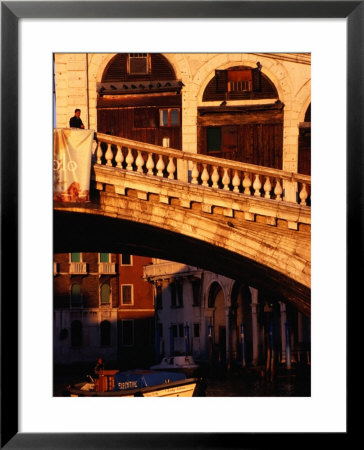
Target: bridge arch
{"type": "Point", "coordinates": [85, 231]}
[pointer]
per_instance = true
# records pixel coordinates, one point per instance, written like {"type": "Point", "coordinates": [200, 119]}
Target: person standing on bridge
{"type": "Point", "coordinates": [75, 121]}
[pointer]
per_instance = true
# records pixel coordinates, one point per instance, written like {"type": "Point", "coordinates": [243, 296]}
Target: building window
{"type": "Point", "coordinates": [105, 333]}
{"type": "Point", "coordinates": [196, 330]}
{"type": "Point", "coordinates": [127, 332]}
{"type": "Point", "coordinates": [105, 294]}
{"type": "Point", "coordinates": [181, 330]}
{"type": "Point", "coordinates": [76, 295]}
{"type": "Point", "coordinates": [75, 257]}
{"type": "Point", "coordinates": [196, 289]}
{"type": "Point", "coordinates": [104, 257]}
{"type": "Point", "coordinates": [127, 294]}
{"type": "Point", "coordinates": [126, 259]}
{"type": "Point", "coordinates": [169, 117]}
{"type": "Point", "coordinates": [76, 333]}
{"type": "Point", "coordinates": [176, 294]}
{"type": "Point", "coordinates": [158, 297]}
{"type": "Point", "coordinates": [174, 330]}
{"type": "Point", "coordinates": [138, 64]}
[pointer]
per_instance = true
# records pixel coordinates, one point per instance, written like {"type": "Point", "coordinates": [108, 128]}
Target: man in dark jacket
{"type": "Point", "coordinates": [75, 121]}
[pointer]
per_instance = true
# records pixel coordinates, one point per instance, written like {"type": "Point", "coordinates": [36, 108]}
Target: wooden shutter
{"type": "Point", "coordinates": [221, 80]}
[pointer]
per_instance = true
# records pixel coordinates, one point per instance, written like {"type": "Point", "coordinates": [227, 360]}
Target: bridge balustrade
{"type": "Point", "coordinates": [208, 171]}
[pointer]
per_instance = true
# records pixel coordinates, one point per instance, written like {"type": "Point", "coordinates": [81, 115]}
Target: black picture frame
{"type": "Point", "coordinates": [11, 12]}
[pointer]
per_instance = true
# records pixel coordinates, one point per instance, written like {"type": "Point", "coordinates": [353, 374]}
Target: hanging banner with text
{"type": "Point", "coordinates": [72, 151]}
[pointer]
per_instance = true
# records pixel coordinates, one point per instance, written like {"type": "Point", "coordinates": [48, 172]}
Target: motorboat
{"type": "Point", "coordinates": [135, 383]}
{"type": "Point", "coordinates": [182, 364]}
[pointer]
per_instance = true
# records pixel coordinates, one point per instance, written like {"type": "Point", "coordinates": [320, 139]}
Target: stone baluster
{"type": "Point", "coordinates": [226, 179]}
{"type": "Point", "coordinates": [278, 190]}
{"type": "Point", "coordinates": [99, 153]}
{"type": "Point", "coordinates": [109, 155]}
{"type": "Point", "coordinates": [215, 177]}
{"type": "Point", "coordinates": [303, 194]}
{"type": "Point", "coordinates": [236, 181]}
{"type": "Point", "coordinates": [129, 160]}
{"type": "Point", "coordinates": [139, 162]}
{"type": "Point", "coordinates": [267, 187]}
{"type": "Point", "coordinates": [205, 176]}
{"type": "Point", "coordinates": [247, 182]}
{"type": "Point", "coordinates": [119, 158]}
{"type": "Point", "coordinates": [194, 173]}
{"type": "Point", "coordinates": [160, 166]}
{"type": "Point", "coordinates": [257, 185]}
{"type": "Point", "coordinates": [150, 164]}
{"type": "Point", "coordinates": [171, 168]}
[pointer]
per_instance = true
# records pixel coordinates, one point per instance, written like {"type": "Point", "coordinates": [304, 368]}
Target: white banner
{"type": "Point", "coordinates": [72, 151]}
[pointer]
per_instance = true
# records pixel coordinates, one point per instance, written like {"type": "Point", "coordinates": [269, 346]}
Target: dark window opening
{"type": "Point", "coordinates": [125, 259]}
{"type": "Point", "coordinates": [76, 333]}
{"type": "Point", "coordinates": [105, 333]}
{"type": "Point", "coordinates": [196, 330]}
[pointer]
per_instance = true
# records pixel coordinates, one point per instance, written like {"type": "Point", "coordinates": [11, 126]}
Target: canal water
{"type": "Point", "coordinates": [219, 382]}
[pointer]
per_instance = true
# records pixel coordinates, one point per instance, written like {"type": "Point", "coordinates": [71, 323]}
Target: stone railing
{"type": "Point", "coordinates": [208, 171]}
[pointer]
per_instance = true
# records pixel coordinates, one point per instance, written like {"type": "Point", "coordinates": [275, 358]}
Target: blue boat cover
{"type": "Point", "coordinates": [136, 379]}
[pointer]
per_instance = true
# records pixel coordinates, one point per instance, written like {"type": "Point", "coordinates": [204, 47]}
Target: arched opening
{"type": "Point", "coordinates": [240, 131]}
{"type": "Point", "coordinates": [105, 333]}
{"type": "Point", "coordinates": [139, 98]}
{"type": "Point", "coordinates": [76, 295]}
{"type": "Point", "coordinates": [241, 322]}
{"type": "Point", "coordinates": [76, 333]}
{"type": "Point", "coordinates": [304, 144]}
{"type": "Point", "coordinates": [105, 294]}
{"type": "Point", "coordinates": [216, 300]}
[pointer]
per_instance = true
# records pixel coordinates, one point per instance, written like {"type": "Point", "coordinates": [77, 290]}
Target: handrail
{"type": "Point", "coordinates": [203, 159]}
{"type": "Point", "coordinates": [245, 178]}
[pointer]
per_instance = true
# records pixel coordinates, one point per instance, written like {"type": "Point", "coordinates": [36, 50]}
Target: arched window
{"type": "Point", "coordinates": [76, 295]}
{"type": "Point", "coordinates": [105, 294]}
{"type": "Point", "coordinates": [214, 290]}
{"type": "Point", "coordinates": [105, 333]}
{"type": "Point", "coordinates": [76, 333]}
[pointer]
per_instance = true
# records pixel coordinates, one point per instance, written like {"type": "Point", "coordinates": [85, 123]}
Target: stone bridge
{"type": "Point", "coordinates": [247, 222]}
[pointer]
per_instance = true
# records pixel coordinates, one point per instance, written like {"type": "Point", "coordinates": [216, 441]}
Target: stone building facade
{"type": "Point", "coordinates": [102, 308]}
{"type": "Point", "coordinates": [223, 321]}
{"type": "Point", "coordinates": [264, 97]}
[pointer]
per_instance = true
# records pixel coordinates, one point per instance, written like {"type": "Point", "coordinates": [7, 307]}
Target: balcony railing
{"type": "Point", "coordinates": [78, 267]}
{"type": "Point", "coordinates": [207, 171]}
{"type": "Point", "coordinates": [107, 268]}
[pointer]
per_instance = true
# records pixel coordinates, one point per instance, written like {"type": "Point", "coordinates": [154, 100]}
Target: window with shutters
{"type": "Point", "coordinates": [76, 295]}
{"type": "Point", "coordinates": [105, 294]}
{"type": "Point", "coordinates": [75, 257]}
{"type": "Point", "coordinates": [127, 294]}
{"type": "Point", "coordinates": [104, 257]}
{"type": "Point", "coordinates": [138, 64]}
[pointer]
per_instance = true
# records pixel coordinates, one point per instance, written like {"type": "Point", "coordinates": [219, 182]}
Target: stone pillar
{"type": "Point", "coordinates": [228, 336]}
{"type": "Point", "coordinates": [283, 330]}
{"type": "Point", "coordinates": [254, 305]}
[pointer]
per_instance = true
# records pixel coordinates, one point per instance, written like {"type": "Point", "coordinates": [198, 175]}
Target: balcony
{"type": "Point", "coordinates": [107, 268]}
{"type": "Point", "coordinates": [78, 268]}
